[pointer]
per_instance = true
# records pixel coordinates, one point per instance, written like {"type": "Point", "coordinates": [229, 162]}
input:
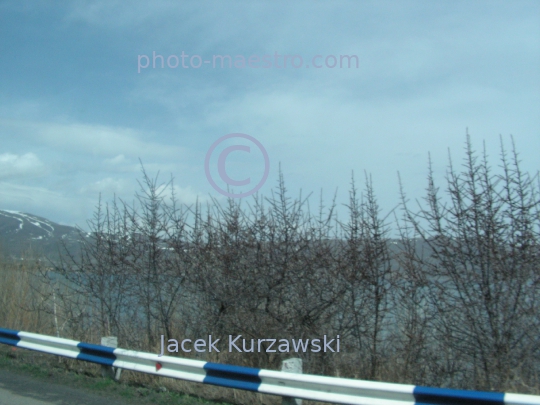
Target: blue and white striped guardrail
{"type": "Point", "coordinates": [304, 386]}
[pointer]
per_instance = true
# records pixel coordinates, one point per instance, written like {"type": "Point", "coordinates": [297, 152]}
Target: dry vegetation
{"type": "Point", "coordinates": [453, 303]}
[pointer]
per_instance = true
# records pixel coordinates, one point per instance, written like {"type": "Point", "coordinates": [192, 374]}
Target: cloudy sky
{"type": "Point", "coordinates": [81, 101]}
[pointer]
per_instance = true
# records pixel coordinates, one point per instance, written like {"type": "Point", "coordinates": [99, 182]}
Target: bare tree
{"type": "Point", "coordinates": [366, 274]}
{"type": "Point", "coordinates": [481, 271]}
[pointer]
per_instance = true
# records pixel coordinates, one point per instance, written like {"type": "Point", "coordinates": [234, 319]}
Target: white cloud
{"type": "Point", "coordinates": [52, 205]}
{"type": "Point", "coordinates": [116, 160]}
{"type": "Point", "coordinates": [185, 195]}
{"type": "Point", "coordinates": [109, 186]}
{"type": "Point", "coordinates": [115, 13]}
{"type": "Point", "coordinates": [15, 193]}
{"type": "Point", "coordinates": [16, 166]}
{"type": "Point", "coordinates": [97, 140]}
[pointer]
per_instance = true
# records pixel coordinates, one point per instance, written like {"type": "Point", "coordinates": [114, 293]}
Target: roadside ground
{"type": "Point", "coordinates": [85, 377]}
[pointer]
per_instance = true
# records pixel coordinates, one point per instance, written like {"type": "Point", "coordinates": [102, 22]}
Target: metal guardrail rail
{"type": "Point", "coordinates": [304, 386]}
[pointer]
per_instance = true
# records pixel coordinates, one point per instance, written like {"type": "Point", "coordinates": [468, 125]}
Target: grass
{"type": "Point", "coordinates": [87, 377]}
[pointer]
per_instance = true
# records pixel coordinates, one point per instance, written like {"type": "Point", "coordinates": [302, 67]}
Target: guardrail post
{"type": "Point", "coordinates": [291, 366]}
{"type": "Point", "coordinates": [106, 371]}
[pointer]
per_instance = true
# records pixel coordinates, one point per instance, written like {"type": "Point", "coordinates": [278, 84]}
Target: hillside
{"type": "Point", "coordinates": [21, 233]}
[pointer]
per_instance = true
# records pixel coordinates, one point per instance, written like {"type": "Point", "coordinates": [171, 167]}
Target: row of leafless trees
{"type": "Point", "coordinates": [451, 301]}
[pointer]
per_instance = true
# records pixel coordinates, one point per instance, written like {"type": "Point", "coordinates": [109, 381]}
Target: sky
{"type": "Point", "coordinates": [89, 89]}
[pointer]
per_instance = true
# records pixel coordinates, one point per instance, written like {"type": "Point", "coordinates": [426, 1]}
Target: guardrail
{"type": "Point", "coordinates": [304, 386]}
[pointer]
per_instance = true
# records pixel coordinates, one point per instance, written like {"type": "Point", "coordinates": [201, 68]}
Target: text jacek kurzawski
{"type": "Point", "coordinates": [238, 345]}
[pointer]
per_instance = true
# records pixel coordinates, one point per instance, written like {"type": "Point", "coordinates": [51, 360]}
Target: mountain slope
{"type": "Point", "coordinates": [22, 232]}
